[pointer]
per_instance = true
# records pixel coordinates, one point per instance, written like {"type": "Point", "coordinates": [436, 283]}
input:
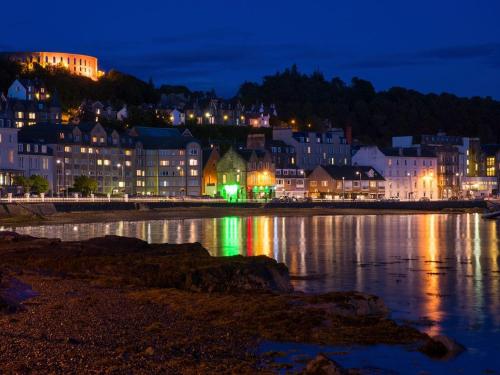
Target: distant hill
{"type": "Point", "coordinates": [374, 116]}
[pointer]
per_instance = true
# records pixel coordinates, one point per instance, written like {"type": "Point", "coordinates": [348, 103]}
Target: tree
{"type": "Point", "coordinates": [24, 182]}
{"type": "Point", "coordinates": [38, 184]}
{"type": "Point", "coordinates": [85, 185]}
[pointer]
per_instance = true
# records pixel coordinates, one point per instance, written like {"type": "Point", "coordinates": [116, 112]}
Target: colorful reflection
{"type": "Point", "coordinates": [443, 267]}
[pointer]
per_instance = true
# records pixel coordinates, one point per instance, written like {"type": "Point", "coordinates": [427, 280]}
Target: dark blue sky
{"type": "Point", "coordinates": [431, 46]}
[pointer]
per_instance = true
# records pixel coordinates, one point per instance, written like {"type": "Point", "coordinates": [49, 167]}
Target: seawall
{"type": "Point", "coordinates": [51, 208]}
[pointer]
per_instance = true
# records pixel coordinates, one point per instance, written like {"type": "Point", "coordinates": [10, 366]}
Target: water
{"type": "Point", "coordinates": [444, 268]}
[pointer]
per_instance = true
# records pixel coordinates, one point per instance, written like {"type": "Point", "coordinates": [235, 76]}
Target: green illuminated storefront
{"type": "Point", "coordinates": [232, 177]}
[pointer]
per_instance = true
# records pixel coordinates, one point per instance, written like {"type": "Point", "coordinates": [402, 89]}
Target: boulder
{"type": "Point", "coordinates": [441, 347]}
{"type": "Point", "coordinates": [239, 274]}
{"type": "Point", "coordinates": [322, 365]}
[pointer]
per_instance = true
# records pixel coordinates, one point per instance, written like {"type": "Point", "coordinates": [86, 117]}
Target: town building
{"type": "Point", "coordinates": [28, 102]}
{"type": "Point", "coordinates": [232, 176]}
{"type": "Point", "coordinates": [167, 162]}
{"type": "Point", "coordinates": [316, 148]}
{"type": "Point", "coordinates": [451, 154]}
{"type": "Point", "coordinates": [86, 149]}
{"type": "Point", "coordinates": [211, 157]}
{"type": "Point", "coordinates": [410, 173]}
{"type": "Point", "coordinates": [8, 156]}
{"type": "Point", "coordinates": [77, 64]}
{"type": "Point", "coordinates": [37, 159]}
{"type": "Point", "coordinates": [484, 180]}
{"type": "Point", "coordinates": [346, 182]}
{"type": "Point", "coordinates": [290, 180]}
{"type": "Point", "coordinates": [246, 174]}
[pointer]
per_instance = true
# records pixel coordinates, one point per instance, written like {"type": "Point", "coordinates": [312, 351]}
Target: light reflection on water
{"type": "Point", "coordinates": [439, 266]}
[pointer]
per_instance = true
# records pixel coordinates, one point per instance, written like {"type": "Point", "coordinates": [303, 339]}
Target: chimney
{"type": "Point", "coordinates": [419, 151]}
{"type": "Point", "coordinates": [348, 133]}
{"type": "Point", "coordinates": [400, 151]}
{"type": "Point", "coordinates": [256, 141]}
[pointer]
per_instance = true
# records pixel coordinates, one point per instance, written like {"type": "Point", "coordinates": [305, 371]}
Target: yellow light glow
{"type": "Point", "coordinates": [226, 117]}
{"type": "Point", "coordinates": [207, 114]}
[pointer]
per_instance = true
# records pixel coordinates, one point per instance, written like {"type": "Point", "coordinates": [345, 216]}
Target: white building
{"type": "Point", "coordinates": [37, 159]}
{"type": "Point", "coordinates": [177, 117]}
{"type": "Point", "coordinates": [410, 173]}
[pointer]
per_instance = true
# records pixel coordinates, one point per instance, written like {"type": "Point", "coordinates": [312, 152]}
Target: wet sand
{"type": "Point", "coordinates": [199, 212]}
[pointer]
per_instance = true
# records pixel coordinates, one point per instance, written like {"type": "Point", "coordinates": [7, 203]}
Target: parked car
{"type": "Point", "coordinates": [453, 199]}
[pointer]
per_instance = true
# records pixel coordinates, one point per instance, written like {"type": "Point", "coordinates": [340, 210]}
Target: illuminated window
{"type": "Point", "coordinates": [19, 114]}
{"type": "Point", "coordinates": [193, 172]}
{"type": "Point", "coordinates": [164, 163]}
{"type": "Point", "coordinates": [128, 152]}
{"type": "Point", "coordinates": [31, 115]}
{"type": "Point", "coordinates": [67, 149]}
{"type": "Point", "coordinates": [99, 161]}
{"type": "Point", "coordinates": [107, 162]}
{"type": "Point", "coordinates": [193, 162]}
{"type": "Point", "coordinates": [94, 139]}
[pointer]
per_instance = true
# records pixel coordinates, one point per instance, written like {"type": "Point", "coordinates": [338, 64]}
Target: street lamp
{"type": "Point", "coordinates": [59, 161]}
{"type": "Point", "coordinates": [343, 188]}
{"type": "Point", "coordinates": [119, 165]}
{"type": "Point", "coordinates": [359, 174]}
{"type": "Point", "coordinates": [459, 184]}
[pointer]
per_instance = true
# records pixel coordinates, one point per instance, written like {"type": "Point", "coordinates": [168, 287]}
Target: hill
{"type": "Point", "coordinates": [374, 116]}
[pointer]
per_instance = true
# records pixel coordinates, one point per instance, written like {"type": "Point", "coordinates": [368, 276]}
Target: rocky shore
{"type": "Point", "coordinates": [120, 305]}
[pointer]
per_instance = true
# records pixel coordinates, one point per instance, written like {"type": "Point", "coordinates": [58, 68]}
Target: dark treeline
{"type": "Point", "coordinates": [309, 99]}
{"type": "Point", "coordinates": [374, 116]}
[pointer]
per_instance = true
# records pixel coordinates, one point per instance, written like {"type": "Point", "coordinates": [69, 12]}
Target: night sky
{"type": "Point", "coordinates": [431, 46]}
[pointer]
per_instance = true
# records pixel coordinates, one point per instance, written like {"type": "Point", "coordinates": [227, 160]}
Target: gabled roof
{"type": "Point", "coordinates": [408, 152]}
{"type": "Point", "coordinates": [43, 133]}
{"type": "Point", "coordinates": [161, 138]}
{"type": "Point", "coordinates": [349, 172]}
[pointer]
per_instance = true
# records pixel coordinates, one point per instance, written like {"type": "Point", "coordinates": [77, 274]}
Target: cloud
{"type": "Point", "coordinates": [463, 52]}
{"type": "Point", "coordinates": [487, 54]}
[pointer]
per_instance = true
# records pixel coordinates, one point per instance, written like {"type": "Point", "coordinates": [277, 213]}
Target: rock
{"type": "Point", "coordinates": [182, 266]}
{"type": "Point", "coordinates": [240, 274]}
{"type": "Point", "coordinates": [322, 365]}
{"type": "Point", "coordinates": [149, 351]}
{"type": "Point", "coordinates": [351, 304]}
{"type": "Point", "coordinates": [441, 347]}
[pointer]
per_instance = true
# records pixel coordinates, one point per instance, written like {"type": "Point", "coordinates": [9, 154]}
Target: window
{"type": "Point", "coordinates": [224, 178]}
{"type": "Point", "coordinates": [128, 152]}
{"type": "Point", "coordinates": [193, 162]}
{"type": "Point", "coordinates": [193, 151]}
{"type": "Point", "coordinates": [99, 161]}
{"type": "Point", "coordinates": [194, 172]}
{"type": "Point", "coordinates": [128, 163]}
{"type": "Point", "coordinates": [164, 163]}
{"type": "Point", "coordinates": [67, 149]}
{"type": "Point", "coordinates": [94, 139]}
{"type": "Point", "coordinates": [314, 183]}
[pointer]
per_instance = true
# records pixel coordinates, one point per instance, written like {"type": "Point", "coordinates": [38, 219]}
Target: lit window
{"type": "Point", "coordinates": [193, 162]}
{"type": "Point", "coordinates": [194, 172]}
{"type": "Point", "coordinates": [67, 149]}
